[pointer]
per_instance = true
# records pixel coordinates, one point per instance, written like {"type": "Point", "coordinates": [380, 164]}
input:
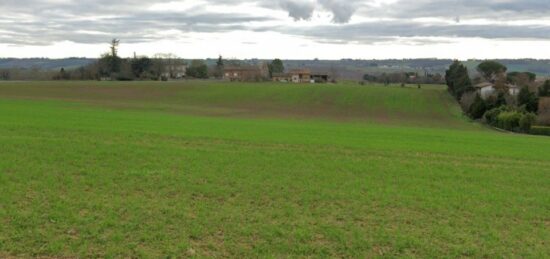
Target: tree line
{"type": "Point", "coordinates": [404, 78]}
{"type": "Point", "coordinates": [111, 66]}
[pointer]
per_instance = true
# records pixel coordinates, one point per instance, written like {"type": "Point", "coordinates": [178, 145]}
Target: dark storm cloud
{"type": "Point", "coordinates": [41, 22]}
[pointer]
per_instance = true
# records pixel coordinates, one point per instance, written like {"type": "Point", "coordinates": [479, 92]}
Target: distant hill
{"type": "Point", "coordinates": [355, 68]}
{"type": "Point", "coordinates": [44, 63]}
{"type": "Point", "coordinates": [539, 67]}
{"type": "Point", "coordinates": [348, 68]}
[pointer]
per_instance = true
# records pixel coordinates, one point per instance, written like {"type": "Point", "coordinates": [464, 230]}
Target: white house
{"type": "Point", "coordinates": [487, 89]}
{"type": "Point", "coordinates": [175, 71]}
{"type": "Point", "coordinates": [514, 90]}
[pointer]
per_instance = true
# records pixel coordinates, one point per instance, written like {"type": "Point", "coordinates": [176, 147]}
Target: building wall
{"type": "Point", "coordinates": [514, 91]}
{"type": "Point", "coordinates": [243, 75]}
{"type": "Point", "coordinates": [486, 92]}
{"type": "Point", "coordinates": [281, 79]}
{"type": "Point", "coordinates": [301, 78]}
{"type": "Point", "coordinates": [296, 78]}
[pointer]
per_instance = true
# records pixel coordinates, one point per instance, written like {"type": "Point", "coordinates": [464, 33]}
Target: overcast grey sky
{"type": "Point", "coordinates": [293, 29]}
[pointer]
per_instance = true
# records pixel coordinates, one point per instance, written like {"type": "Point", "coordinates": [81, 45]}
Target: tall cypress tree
{"type": "Point", "coordinates": [458, 80]}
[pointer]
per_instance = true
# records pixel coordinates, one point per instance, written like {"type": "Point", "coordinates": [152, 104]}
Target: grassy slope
{"type": "Point", "coordinates": [145, 175]}
{"type": "Point", "coordinates": [429, 106]}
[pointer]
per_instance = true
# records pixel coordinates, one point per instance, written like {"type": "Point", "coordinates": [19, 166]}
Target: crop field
{"type": "Point", "coordinates": [213, 169]}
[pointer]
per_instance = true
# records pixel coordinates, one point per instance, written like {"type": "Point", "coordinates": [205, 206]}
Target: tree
{"type": "Point", "coordinates": [114, 47]}
{"type": "Point", "coordinates": [276, 66]}
{"type": "Point", "coordinates": [500, 83]}
{"type": "Point", "coordinates": [528, 100]}
{"type": "Point", "coordinates": [141, 66]}
{"type": "Point", "coordinates": [521, 78]}
{"type": "Point", "coordinates": [4, 74]}
{"type": "Point", "coordinates": [62, 75]}
{"type": "Point", "coordinates": [478, 108]}
{"type": "Point", "coordinates": [369, 78]}
{"type": "Point", "coordinates": [198, 69]}
{"type": "Point", "coordinates": [219, 67]}
{"type": "Point", "coordinates": [110, 62]}
{"type": "Point", "coordinates": [490, 69]}
{"type": "Point", "coordinates": [115, 60]}
{"type": "Point", "coordinates": [125, 73]}
{"type": "Point", "coordinates": [219, 63]}
{"type": "Point", "coordinates": [166, 65]}
{"type": "Point", "coordinates": [527, 121]}
{"type": "Point", "coordinates": [467, 100]}
{"type": "Point", "coordinates": [544, 91]}
{"type": "Point", "coordinates": [496, 100]}
{"type": "Point", "coordinates": [458, 80]}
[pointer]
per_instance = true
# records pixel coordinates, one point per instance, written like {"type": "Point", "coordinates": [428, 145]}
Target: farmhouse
{"type": "Point", "coordinates": [175, 71]}
{"type": "Point", "coordinates": [245, 73]}
{"type": "Point", "coordinates": [320, 77]}
{"type": "Point", "coordinates": [487, 89]}
{"type": "Point", "coordinates": [281, 77]}
{"type": "Point", "coordinates": [300, 75]}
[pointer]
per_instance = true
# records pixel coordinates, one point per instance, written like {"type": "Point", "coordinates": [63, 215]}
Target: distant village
{"type": "Point", "coordinates": [255, 73]}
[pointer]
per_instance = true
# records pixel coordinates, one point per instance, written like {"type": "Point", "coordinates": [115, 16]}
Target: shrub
{"type": "Point", "coordinates": [528, 100]}
{"type": "Point", "coordinates": [467, 100]}
{"type": "Point", "coordinates": [526, 122]}
{"type": "Point", "coordinates": [540, 130]}
{"type": "Point", "coordinates": [478, 108]}
{"type": "Point", "coordinates": [496, 100]}
{"type": "Point", "coordinates": [492, 115]}
{"type": "Point", "coordinates": [509, 120]}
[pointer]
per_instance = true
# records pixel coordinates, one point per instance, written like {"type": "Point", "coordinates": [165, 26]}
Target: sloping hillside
{"type": "Point", "coordinates": [429, 106]}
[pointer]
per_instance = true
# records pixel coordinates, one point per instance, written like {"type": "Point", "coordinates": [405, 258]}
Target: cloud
{"type": "Point", "coordinates": [341, 10]}
{"type": "Point", "coordinates": [42, 22]}
{"type": "Point", "coordinates": [383, 31]}
{"type": "Point", "coordinates": [299, 10]}
{"type": "Point", "coordinates": [494, 9]}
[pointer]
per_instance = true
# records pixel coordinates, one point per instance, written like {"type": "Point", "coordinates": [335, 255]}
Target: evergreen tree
{"type": "Point", "coordinates": [198, 69]}
{"type": "Point", "coordinates": [528, 100]}
{"type": "Point", "coordinates": [110, 62]}
{"type": "Point", "coordinates": [140, 66]}
{"type": "Point", "coordinates": [458, 80]}
{"type": "Point", "coordinates": [219, 67]}
{"type": "Point", "coordinates": [219, 63]}
{"type": "Point", "coordinates": [490, 69]}
{"type": "Point", "coordinates": [478, 108]}
{"type": "Point", "coordinates": [276, 66]}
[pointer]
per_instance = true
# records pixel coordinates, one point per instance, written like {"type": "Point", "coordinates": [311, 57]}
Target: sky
{"type": "Point", "coordinates": [287, 29]}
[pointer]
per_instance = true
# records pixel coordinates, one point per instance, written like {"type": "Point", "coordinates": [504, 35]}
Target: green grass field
{"type": "Point", "coordinates": [206, 169]}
